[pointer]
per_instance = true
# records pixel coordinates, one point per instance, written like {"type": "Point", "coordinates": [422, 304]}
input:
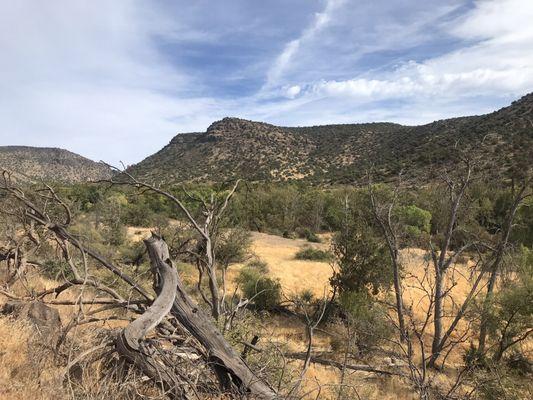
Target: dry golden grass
{"type": "Point", "coordinates": [294, 275]}
{"type": "Point", "coordinates": [27, 370]}
{"type": "Point", "coordinates": [22, 377]}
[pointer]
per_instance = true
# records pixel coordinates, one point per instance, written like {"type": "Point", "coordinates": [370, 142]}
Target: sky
{"type": "Point", "coordinates": [116, 80]}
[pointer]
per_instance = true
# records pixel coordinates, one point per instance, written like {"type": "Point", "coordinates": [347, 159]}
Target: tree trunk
{"type": "Point", "coordinates": [212, 278]}
{"type": "Point", "coordinates": [130, 342]}
{"type": "Point", "coordinates": [231, 370]}
{"type": "Point", "coordinates": [437, 318]}
{"type": "Point", "coordinates": [496, 266]}
{"type": "Point", "coordinates": [399, 298]}
{"type": "Point", "coordinates": [484, 314]}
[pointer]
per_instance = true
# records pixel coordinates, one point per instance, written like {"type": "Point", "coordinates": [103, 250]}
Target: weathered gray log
{"type": "Point", "coordinates": [165, 282]}
{"type": "Point", "coordinates": [231, 370]}
{"type": "Point", "coordinates": [339, 365]}
{"type": "Point", "coordinates": [130, 342]}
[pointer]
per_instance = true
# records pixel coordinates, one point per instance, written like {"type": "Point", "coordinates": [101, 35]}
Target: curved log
{"type": "Point", "coordinates": [165, 282]}
{"type": "Point", "coordinates": [232, 372]}
{"type": "Point", "coordinates": [129, 343]}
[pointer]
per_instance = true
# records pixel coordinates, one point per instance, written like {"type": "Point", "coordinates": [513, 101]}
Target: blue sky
{"type": "Point", "coordinates": [116, 80]}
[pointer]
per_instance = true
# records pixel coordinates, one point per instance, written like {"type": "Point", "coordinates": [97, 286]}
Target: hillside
{"type": "Point", "coordinates": [236, 148]}
{"type": "Point", "coordinates": [50, 164]}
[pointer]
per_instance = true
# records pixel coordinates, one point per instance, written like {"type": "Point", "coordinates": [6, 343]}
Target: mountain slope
{"type": "Point", "coordinates": [50, 164]}
{"type": "Point", "coordinates": [236, 148]}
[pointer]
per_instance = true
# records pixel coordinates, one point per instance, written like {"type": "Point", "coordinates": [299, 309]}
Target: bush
{"type": "Point", "coordinates": [518, 362]}
{"type": "Point", "coordinates": [56, 269]}
{"type": "Point", "coordinates": [310, 253]}
{"type": "Point", "coordinates": [306, 296]}
{"type": "Point", "coordinates": [362, 259]}
{"type": "Point", "coordinates": [313, 238]}
{"type": "Point", "coordinates": [263, 291]}
{"type": "Point", "coordinates": [289, 235]}
{"type": "Point", "coordinates": [415, 219]}
{"type": "Point", "coordinates": [115, 235]}
{"type": "Point", "coordinates": [308, 234]}
{"type": "Point", "coordinates": [258, 265]}
{"type": "Point", "coordinates": [368, 319]}
{"type": "Point", "coordinates": [233, 246]}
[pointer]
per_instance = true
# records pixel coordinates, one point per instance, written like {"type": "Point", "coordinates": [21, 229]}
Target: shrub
{"type": "Point", "coordinates": [288, 235]}
{"type": "Point", "coordinates": [258, 265]}
{"type": "Point", "coordinates": [115, 235]}
{"type": "Point", "coordinates": [311, 236]}
{"type": "Point", "coordinates": [306, 296]}
{"type": "Point", "coordinates": [310, 253]}
{"type": "Point", "coordinates": [368, 319]}
{"type": "Point", "coordinates": [55, 269]}
{"type": "Point", "coordinates": [263, 291]}
{"type": "Point", "coordinates": [518, 362]}
{"type": "Point", "coordinates": [416, 220]}
{"type": "Point", "coordinates": [233, 246]}
{"type": "Point", "coordinates": [308, 234]}
{"type": "Point", "coordinates": [362, 259]}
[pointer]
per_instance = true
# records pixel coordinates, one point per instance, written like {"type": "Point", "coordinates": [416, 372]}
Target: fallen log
{"type": "Point", "coordinates": [339, 365]}
{"type": "Point", "coordinates": [130, 344]}
{"type": "Point", "coordinates": [231, 370]}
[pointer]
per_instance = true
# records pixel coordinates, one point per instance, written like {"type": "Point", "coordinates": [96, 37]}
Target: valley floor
{"type": "Point", "coordinates": [21, 377]}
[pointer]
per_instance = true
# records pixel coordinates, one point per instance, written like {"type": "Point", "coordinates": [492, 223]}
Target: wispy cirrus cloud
{"type": "Point", "coordinates": [320, 21]}
{"type": "Point", "coordinates": [497, 62]}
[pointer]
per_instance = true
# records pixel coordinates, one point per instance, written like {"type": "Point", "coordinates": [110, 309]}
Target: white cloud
{"type": "Point", "coordinates": [293, 91]}
{"type": "Point", "coordinates": [86, 76]}
{"type": "Point", "coordinates": [500, 62]}
{"type": "Point", "coordinates": [89, 76]}
{"type": "Point", "coordinates": [497, 20]}
{"type": "Point", "coordinates": [282, 62]}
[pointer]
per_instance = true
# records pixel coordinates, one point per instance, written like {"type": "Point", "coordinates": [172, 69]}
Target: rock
{"type": "Point", "coordinates": [43, 318]}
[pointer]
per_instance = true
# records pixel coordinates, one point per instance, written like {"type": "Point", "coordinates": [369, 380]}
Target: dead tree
{"type": "Point", "coordinates": [130, 343]}
{"type": "Point", "coordinates": [233, 373]}
{"type": "Point", "coordinates": [497, 258]}
{"type": "Point", "coordinates": [442, 260]}
{"type": "Point", "coordinates": [384, 221]}
{"type": "Point", "coordinates": [212, 210]}
{"type": "Point", "coordinates": [311, 320]}
{"type": "Point", "coordinates": [487, 264]}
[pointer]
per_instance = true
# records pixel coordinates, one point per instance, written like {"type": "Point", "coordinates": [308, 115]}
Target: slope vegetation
{"type": "Point", "coordinates": [236, 148]}
{"type": "Point", "coordinates": [50, 164]}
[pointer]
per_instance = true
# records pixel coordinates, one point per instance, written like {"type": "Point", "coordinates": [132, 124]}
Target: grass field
{"type": "Point", "coordinates": [23, 378]}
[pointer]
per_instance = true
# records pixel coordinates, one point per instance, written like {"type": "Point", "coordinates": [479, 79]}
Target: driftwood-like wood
{"type": "Point", "coordinates": [165, 281]}
{"type": "Point", "coordinates": [232, 372]}
{"type": "Point", "coordinates": [339, 365]}
{"type": "Point", "coordinates": [129, 344]}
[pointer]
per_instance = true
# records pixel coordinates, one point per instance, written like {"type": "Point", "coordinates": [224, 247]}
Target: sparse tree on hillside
{"type": "Point", "coordinates": [442, 259]}
{"type": "Point", "coordinates": [383, 214]}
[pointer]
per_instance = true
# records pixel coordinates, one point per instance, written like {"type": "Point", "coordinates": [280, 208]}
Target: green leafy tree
{"type": "Point", "coordinates": [415, 219]}
{"type": "Point", "coordinates": [362, 260]}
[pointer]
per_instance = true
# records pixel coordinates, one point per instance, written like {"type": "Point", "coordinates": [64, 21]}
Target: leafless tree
{"type": "Point", "coordinates": [498, 251]}
{"type": "Point", "coordinates": [212, 210]}
{"type": "Point", "coordinates": [383, 216]}
{"type": "Point", "coordinates": [171, 309]}
{"type": "Point", "coordinates": [442, 259]}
